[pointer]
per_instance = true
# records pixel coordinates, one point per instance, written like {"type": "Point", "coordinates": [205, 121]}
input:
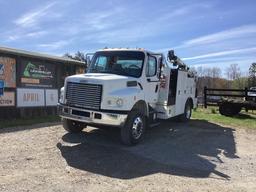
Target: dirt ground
{"type": "Point", "coordinates": [198, 156]}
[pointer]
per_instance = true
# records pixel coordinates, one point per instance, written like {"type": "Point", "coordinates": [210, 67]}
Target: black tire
{"type": "Point", "coordinates": [73, 126]}
{"type": "Point", "coordinates": [133, 130]}
{"type": "Point", "coordinates": [224, 109]}
{"type": "Point", "coordinates": [185, 117]}
{"type": "Point", "coordinates": [228, 109]}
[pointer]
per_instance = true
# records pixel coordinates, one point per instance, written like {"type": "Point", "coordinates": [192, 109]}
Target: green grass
{"type": "Point", "coordinates": [211, 114]}
{"type": "Point", "coordinates": [32, 121]}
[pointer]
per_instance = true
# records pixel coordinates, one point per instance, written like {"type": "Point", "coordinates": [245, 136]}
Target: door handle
{"type": "Point", "coordinates": [153, 81]}
{"type": "Point", "coordinates": [156, 89]}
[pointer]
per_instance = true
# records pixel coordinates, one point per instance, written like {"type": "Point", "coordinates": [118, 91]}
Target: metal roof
{"type": "Point", "coordinates": [20, 52]}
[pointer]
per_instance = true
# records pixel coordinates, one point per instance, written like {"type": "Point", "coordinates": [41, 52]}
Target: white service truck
{"type": "Point", "coordinates": [128, 88]}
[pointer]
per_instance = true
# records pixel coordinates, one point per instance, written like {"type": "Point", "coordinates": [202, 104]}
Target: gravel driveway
{"type": "Point", "coordinates": [198, 156]}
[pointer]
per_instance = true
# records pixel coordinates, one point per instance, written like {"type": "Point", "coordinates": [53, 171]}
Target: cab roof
{"type": "Point", "coordinates": [129, 49]}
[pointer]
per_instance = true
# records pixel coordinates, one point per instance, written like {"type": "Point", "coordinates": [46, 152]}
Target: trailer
{"type": "Point", "coordinates": [131, 89]}
{"type": "Point", "coordinates": [231, 101]}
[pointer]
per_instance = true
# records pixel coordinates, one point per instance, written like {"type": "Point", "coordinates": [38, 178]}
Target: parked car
{"type": "Point", "coordinates": [252, 94]}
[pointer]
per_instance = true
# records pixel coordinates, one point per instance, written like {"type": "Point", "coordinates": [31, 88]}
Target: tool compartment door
{"type": "Point", "coordinates": [182, 92]}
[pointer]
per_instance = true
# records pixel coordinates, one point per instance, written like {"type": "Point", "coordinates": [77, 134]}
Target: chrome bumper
{"type": "Point", "coordinates": [91, 117]}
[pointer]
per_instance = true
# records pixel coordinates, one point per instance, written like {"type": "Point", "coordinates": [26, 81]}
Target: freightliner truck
{"type": "Point", "coordinates": [128, 88]}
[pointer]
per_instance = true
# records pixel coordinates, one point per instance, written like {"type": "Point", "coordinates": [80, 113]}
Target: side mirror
{"type": "Point", "coordinates": [88, 59]}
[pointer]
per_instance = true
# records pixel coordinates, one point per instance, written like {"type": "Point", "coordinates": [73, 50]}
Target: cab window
{"type": "Point", "coordinates": [151, 66]}
{"type": "Point", "coordinates": [101, 62]}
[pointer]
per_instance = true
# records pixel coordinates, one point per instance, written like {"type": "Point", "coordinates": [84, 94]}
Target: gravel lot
{"type": "Point", "coordinates": [198, 156]}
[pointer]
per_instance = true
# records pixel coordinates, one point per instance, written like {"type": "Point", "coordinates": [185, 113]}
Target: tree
{"type": "Point", "coordinates": [199, 71]}
{"type": "Point", "coordinates": [68, 55]}
{"type": "Point", "coordinates": [216, 72]}
{"type": "Point", "coordinates": [209, 77]}
{"type": "Point", "coordinates": [79, 56]}
{"type": "Point", "coordinates": [252, 75]}
{"type": "Point", "coordinates": [233, 72]}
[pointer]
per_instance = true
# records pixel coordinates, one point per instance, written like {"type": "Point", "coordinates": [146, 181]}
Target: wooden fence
{"type": "Point", "coordinates": [231, 93]}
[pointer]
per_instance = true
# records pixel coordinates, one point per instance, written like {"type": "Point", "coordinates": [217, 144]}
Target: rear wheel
{"type": "Point", "coordinates": [73, 126]}
{"type": "Point", "coordinates": [229, 109]}
{"type": "Point", "coordinates": [187, 112]}
{"type": "Point", "coordinates": [134, 128]}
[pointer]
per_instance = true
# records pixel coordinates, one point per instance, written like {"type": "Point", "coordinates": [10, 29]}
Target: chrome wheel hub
{"type": "Point", "coordinates": [188, 112]}
{"type": "Point", "coordinates": [137, 127]}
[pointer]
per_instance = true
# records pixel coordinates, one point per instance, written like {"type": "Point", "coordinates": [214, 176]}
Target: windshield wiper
{"type": "Point", "coordinates": [94, 70]}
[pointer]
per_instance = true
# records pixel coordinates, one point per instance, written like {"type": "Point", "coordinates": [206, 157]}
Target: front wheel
{"type": "Point", "coordinates": [134, 128]}
{"type": "Point", "coordinates": [73, 126]}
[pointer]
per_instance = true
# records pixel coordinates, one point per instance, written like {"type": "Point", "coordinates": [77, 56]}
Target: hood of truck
{"type": "Point", "coordinates": [98, 78]}
{"type": "Point", "coordinates": [113, 87]}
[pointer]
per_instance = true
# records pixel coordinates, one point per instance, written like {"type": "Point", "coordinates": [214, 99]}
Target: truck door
{"type": "Point", "coordinates": [152, 81]}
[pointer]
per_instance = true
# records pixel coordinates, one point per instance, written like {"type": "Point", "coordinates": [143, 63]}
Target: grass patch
{"type": "Point", "coordinates": [211, 114]}
{"type": "Point", "coordinates": [32, 121]}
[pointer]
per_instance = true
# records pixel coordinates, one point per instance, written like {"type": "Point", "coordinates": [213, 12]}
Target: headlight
{"type": "Point", "coordinates": [61, 100]}
{"type": "Point", "coordinates": [115, 102]}
{"type": "Point", "coordinates": [119, 102]}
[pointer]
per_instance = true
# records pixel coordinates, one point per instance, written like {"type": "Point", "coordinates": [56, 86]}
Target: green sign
{"type": "Point", "coordinates": [37, 71]}
{"type": "Point", "coordinates": [37, 74]}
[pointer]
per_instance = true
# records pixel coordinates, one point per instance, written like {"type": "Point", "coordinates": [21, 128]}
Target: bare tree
{"type": "Point", "coordinates": [79, 56]}
{"type": "Point", "coordinates": [216, 72]}
{"type": "Point", "coordinates": [233, 72]}
{"type": "Point", "coordinates": [209, 77]}
{"type": "Point", "coordinates": [68, 55]}
{"type": "Point", "coordinates": [252, 75]}
{"type": "Point", "coordinates": [199, 71]}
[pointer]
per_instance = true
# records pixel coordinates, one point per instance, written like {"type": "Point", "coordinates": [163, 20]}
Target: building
{"type": "Point", "coordinates": [31, 82]}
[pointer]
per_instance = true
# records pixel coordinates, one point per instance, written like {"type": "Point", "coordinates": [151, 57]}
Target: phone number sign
{"type": "Point", "coordinates": [7, 99]}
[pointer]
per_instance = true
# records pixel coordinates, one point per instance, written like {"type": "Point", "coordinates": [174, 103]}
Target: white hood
{"type": "Point", "coordinates": [98, 78]}
{"type": "Point", "coordinates": [113, 87]}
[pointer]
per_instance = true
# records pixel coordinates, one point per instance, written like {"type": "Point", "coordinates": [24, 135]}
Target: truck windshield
{"type": "Point", "coordinates": [128, 63]}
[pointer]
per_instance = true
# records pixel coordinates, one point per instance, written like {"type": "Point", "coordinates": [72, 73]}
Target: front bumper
{"type": "Point", "coordinates": [92, 117]}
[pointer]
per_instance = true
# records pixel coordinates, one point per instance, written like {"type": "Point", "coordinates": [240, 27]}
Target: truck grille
{"type": "Point", "coordinates": [83, 95]}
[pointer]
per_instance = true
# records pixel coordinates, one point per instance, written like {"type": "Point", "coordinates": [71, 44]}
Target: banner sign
{"type": "Point", "coordinates": [8, 71]}
{"type": "Point", "coordinates": [8, 99]}
{"type": "Point", "coordinates": [51, 96]}
{"type": "Point", "coordinates": [37, 74]}
{"type": "Point", "coordinates": [30, 97]}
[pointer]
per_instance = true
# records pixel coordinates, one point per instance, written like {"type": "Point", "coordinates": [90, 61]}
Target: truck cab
{"type": "Point", "coordinates": [128, 88]}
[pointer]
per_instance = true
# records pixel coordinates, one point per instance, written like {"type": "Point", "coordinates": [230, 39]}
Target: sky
{"type": "Point", "coordinates": [209, 33]}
